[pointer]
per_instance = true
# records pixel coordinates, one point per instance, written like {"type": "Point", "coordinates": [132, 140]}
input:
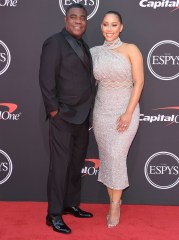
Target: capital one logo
{"type": "Point", "coordinates": [163, 60]}
{"type": "Point", "coordinates": [90, 5]}
{"type": "Point", "coordinates": [91, 167]}
{"type": "Point", "coordinates": [162, 116]}
{"type": "Point", "coordinates": [8, 3]}
{"type": "Point", "coordinates": [162, 170]}
{"type": "Point", "coordinates": [5, 167]}
{"type": "Point", "coordinates": [7, 112]}
{"type": "Point", "coordinates": [160, 4]}
{"type": "Point", "coordinates": [5, 57]}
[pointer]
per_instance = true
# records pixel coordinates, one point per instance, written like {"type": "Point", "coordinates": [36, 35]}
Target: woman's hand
{"type": "Point", "coordinates": [123, 122]}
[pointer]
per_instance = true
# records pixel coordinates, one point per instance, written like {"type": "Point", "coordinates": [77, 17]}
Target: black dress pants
{"type": "Point", "coordinates": [68, 147]}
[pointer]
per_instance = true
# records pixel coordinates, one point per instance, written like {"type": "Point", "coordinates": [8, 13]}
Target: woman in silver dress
{"type": "Point", "coordinates": [118, 69]}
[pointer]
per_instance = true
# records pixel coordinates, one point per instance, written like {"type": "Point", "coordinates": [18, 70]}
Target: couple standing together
{"type": "Point", "coordinates": [68, 88]}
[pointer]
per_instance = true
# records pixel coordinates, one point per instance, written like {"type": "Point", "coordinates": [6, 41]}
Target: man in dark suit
{"type": "Point", "coordinates": [67, 86]}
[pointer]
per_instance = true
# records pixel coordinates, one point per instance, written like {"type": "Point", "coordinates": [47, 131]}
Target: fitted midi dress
{"type": "Point", "coordinates": [113, 73]}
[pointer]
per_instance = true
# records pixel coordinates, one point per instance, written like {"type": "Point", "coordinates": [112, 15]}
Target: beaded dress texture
{"type": "Point", "coordinates": [113, 73]}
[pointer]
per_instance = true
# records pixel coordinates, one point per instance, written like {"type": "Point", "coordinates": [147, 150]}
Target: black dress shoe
{"type": "Point", "coordinates": [77, 212]}
{"type": "Point", "coordinates": [57, 223]}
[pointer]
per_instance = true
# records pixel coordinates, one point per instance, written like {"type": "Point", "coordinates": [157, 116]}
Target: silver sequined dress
{"type": "Point", "coordinates": [114, 77]}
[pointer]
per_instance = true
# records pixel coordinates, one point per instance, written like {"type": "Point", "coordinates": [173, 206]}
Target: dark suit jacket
{"type": "Point", "coordinates": [66, 80]}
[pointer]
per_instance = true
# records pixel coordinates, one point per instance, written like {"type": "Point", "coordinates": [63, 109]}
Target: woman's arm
{"type": "Point", "coordinates": [136, 60]}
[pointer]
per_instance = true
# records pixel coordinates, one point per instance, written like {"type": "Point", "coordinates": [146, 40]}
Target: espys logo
{"type": "Point", "coordinates": [162, 170]}
{"type": "Point", "coordinates": [163, 60]}
{"type": "Point", "coordinates": [168, 119]}
{"type": "Point", "coordinates": [91, 168]}
{"type": "Point", "coordinates": [7, 112]}
{"type": "Point", "coordinates": [5, 167]}
{"type": "Point", "coordinates": [90, 5]}
{"type": "Point", "coordinates": [5, 57]}
{"type": "Point", "coordinates": [160, 4]}
{"type": "Point", "coordinates": [8, 3]}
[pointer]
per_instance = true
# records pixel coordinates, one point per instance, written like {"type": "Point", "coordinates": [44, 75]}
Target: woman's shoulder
{"type": "Point", "coordinates": [130, 47]}
{"type": "Point", "coordinates": [132, 51]}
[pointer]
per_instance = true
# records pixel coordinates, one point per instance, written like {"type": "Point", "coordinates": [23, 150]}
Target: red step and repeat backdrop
{"type": "Point", "coordinates": [153, 160]}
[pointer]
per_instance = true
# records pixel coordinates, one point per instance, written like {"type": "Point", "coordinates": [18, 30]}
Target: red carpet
{"type": "Point", "coordinates": [26, 221]}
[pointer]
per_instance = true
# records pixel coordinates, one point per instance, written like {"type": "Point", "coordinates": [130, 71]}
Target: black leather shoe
{"type": "Point", "coordinates": [77, 212]}
{"type": "Point", "coordinates": [57, 223]}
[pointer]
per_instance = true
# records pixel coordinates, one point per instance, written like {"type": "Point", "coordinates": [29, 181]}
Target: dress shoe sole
{"type": "Point", "coordinates": [78, 216]}
{"type": "Point", "coordinates": [54, 229]}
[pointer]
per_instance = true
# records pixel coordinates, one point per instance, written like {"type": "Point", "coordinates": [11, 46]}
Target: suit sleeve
{"type": "Point", "coordinates": [49, 64]}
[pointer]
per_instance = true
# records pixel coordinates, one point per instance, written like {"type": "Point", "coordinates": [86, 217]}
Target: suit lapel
{"type": "Point", "coordinates": [76, 48]}
{"type": "Point", "coordinates": [91, 63]}
{"type": "Point", "coordinates": [90, 58]}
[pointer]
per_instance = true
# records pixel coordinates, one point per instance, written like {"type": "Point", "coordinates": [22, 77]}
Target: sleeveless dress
{"type": "Point", "coordinates": [113, 73]}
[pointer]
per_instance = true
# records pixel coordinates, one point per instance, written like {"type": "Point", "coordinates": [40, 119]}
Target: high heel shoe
{"type": "Point", "coordinates": [108, 215]}
{"type": "Point", "coordinates": [113, 219]}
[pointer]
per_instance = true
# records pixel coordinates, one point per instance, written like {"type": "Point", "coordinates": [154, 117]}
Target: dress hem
{"type": "Point", "coordinates": [115, 188]}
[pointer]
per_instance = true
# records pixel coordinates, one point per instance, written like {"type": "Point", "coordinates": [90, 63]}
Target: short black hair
{"type": "Point", "coordinates": [115, 13]}
{"type": "Point", "coordinates": [76, 5]}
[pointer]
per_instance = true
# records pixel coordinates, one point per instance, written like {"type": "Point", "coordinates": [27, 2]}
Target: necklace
{"type": "Point", "coordinates": [113, 44]}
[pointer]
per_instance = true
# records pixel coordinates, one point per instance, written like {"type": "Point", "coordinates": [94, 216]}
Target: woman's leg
{"type": "Point", "coordinates": [109, 193]}
{"type": "Point", "coordinates": [116, 195]}
{"type": "Point", "coordinates": [114, 213]}
{"type": "Point", "coordinates": [110, 199]}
